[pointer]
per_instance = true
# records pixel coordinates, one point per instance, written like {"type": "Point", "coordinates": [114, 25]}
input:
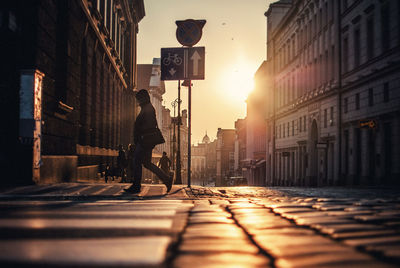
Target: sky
{"type": "Point", "coordinates": [234, 38]}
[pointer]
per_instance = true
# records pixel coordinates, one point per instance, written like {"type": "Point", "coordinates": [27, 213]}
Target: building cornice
{"type": "Point", "coordinates": [102, 38]}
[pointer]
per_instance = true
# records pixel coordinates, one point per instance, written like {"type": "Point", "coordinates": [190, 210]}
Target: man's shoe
{"type": "Point", "coordinates": [168, 184]}
{"type": "Point", "coordinates": [132, 190]}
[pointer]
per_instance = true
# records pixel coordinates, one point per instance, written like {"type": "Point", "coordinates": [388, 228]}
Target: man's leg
{"type": "Point", "coordinates": [138, 156]}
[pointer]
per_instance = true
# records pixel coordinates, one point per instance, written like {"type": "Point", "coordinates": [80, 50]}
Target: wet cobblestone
{"type": "Point", "coordinates": [201, 227]}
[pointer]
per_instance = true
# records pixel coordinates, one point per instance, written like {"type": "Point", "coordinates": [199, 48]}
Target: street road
{"type": "Point", "coordinates": [97, 225]}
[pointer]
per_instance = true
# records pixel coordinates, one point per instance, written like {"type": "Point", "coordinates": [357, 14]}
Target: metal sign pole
{"type": "Point", "coordinates": [178, 153]}
{"type": "Point", "coordinates": [189, 130]}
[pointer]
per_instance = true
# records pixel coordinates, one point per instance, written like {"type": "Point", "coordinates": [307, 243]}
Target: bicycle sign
{"type": "Point", "coordinates": [182, 63]}
{"type": "Point", "coordinates": [172, 58]}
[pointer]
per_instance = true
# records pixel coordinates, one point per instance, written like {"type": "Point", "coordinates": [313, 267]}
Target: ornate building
{"type": "Point", "coordinates": [203, 162]}
{"type": "Point", "coordinates": [68, 76]}
{"type": "Point", "coordinates": [332, 71]}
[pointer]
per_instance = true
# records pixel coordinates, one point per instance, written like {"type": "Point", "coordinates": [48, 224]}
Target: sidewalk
{"type": "Point", "coordinates": [95, 225]}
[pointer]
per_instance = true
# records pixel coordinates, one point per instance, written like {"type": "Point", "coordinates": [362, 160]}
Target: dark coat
{"type": "Point", "coordinates": [145, 121]}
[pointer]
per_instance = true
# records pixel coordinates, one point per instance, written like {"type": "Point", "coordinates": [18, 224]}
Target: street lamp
{"type": "Point", "coordinates": [177, 121]}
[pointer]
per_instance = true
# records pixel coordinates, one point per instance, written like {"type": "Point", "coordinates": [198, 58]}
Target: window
{"type": "Point", "coordinates": [293, 128]}
{"type": "Point", "coordinates": [300, 123]}
{"type": "Point", "coordinates": [385, 25]}
{"type": "Point", "coordinates": [345, 55]}
{"type": "Point", "coordinates": [326, 13]}
{"type": "Point", "coordinates": [12, 21]}
{"type": "Point", "coordinates": [109, 15]}
{"type": "Point", "coordinates": [293, 48]}
{"type": "Point", "coordinates": [370, 37]}
{"type": "Point", "coordinates": [331, 120]}
{"type": "Point", "coordinates": [386, 92]}
{"type": "Point", "coordinates": [333, 60]}
{"type": "Point", "coordinates": [325, 117]}
{"type": "Point", "coordinates": [305, 123]}
{"type": "Point", "coordinates": [357, 101]}
{"type": "Point", "coordinates": [332, 9]}
{"type": "Point", "coordinates": [288, 130]}
{"type": "Point", "coordinates": [283, 129]}
{"type": "Point", "coordinates": [356, 47]}
{"type": "Point", "coordinates": [370, 96]}
{"type": "Point", "coordinates": [345, 105]}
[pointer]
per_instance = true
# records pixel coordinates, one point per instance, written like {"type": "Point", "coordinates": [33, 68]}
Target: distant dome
{"type": "Point", "coordinates": [206, 139]}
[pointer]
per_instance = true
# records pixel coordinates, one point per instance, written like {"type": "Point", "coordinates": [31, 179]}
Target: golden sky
{"type": "Point", "coordinates": [234, 39]}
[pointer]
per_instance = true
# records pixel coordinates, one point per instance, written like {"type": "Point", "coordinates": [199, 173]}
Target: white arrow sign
{"type": "Point", "coordinates": [195, 58]}
{"type": "Point", "coordinates": [172, 71]}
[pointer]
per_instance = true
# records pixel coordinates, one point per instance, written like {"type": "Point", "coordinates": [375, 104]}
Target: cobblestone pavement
{"type": "Point", "coordinates": [96, 225]}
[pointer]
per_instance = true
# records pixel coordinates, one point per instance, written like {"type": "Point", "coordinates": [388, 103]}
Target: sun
{"type": "Point", "coordinates": [237, 82]}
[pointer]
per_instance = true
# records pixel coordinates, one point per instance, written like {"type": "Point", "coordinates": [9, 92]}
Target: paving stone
{"type": "Point", "coordinates": [83, 227]}
{"type": "Point", "coordinates": [219, 202]}
{"type": "Point", "coordinates": [359, 208]}
{"type": "Point", "coordinates": [364, 242]}
{"type": "Point", "coordinates": [211, 214]}
{"type": "Point", "coordinates": [348, 214]}
{"type": "Point", "coordinates": [364, 234]}
{"type": "Point", "coordinates": [329, 207]}
{"type": "Point", "coordinates": [213, 231]}
{"type": "Point", "coordinates": [250, 211]}
{"type": "Point", "coordinates": [377, 218]}
{"type": "Point", "coordinates": [207, 208]}
{"type": "Point", "coordinates": [92, 214]}
{"type": "Point", "coordinates": [292, 231]}
{"type": "Point", "coordinates": [284, 211]}
{"type": "Point", "coordinates": [308, 251]}
{"type": "Point", "coordinates": [303, 215]}
{"type": "Point", "coordinates": [273, 242]}
{"type": "Point", "coordinates": [390, 213]}
{"type": "Point", "coordinates": [209, 219]}
{"type": "Point", "coordinates": [343, 228]}
{"type": "Point", "coordinates": [388, 251]}
{"type": "Point", "coordinates": [289, 205]}
{"type": "Point", "coordinates": [334, 259]}
{"type": "Point", "coordinates": [217, 245]}
{"type": "Point", "coordinates": [112, 252]}
{"type": "Point", "coordinates": [317, 221]}
{"type": "Point", "coordinates": [264, 223]}
{"type": "Point", "coordinates": [392, 224]}
{"type": "Point", "coordinates": [201, 202]}
{"type": "Point", "coordinates": [221, 260]}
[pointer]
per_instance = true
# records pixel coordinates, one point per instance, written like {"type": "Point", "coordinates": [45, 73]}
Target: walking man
{"type": "Point", "coordinates": [145, 125]}
{"type": "Point", "coordinates": [164, 163]}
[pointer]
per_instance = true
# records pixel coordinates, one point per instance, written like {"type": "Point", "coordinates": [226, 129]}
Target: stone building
{"type": "Point", "coordinates": [254, 162]}
{"type": "Point", "coordinates": [68, 76]}
{"type": "Point", "coordinates": [225, 155]}
{"type": "Point", "coordinates": [240, 147]}
{"type": "Point", "coordinates": [333, 68]}
{"type": "Point", "coordinates": [202, 162]}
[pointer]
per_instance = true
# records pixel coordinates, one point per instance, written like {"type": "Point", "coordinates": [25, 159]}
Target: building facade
{"type": "Point", "coordinates": [225, 155]}
{"type": "Point", "coordinates": [254, 163]}
{"type": "Point", "coordinates": [203, 162]}
{"type": "Point", "coordinates": [69, 72]}
{"type": "Point", "coordinates": [334, 68]}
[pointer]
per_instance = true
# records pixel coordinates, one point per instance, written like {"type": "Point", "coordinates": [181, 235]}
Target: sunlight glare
{"type": "Point", "coordinates": [237, 82]}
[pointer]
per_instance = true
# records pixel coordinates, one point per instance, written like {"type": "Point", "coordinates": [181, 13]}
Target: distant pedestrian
{"type": "Point", "coordinates": [130, 157]}
{"type": "Point", "coordinates": [121, 163]}
{"type": "Point", "coordinates": [164, 163]}
{"type": "Point", "coordinates": [146, 136]}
